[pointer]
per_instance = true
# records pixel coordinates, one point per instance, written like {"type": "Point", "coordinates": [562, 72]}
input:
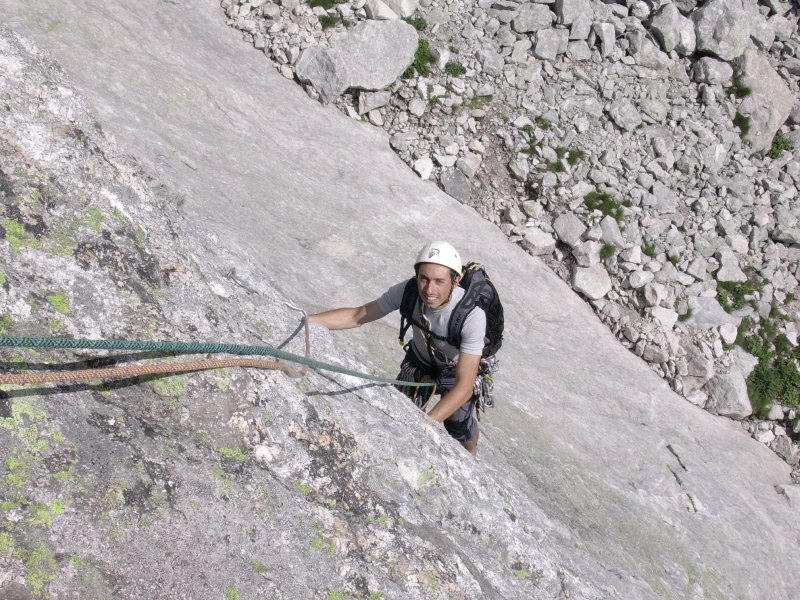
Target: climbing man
{"type": "Point", "coordinates": [435, 292]}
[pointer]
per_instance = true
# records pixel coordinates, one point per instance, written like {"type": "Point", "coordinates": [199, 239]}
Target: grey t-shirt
{"type": "Point", "coordinates": [472, 333]}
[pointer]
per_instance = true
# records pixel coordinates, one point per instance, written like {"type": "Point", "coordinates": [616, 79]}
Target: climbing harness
{"type": "Point", "coordinates": [176, 367]}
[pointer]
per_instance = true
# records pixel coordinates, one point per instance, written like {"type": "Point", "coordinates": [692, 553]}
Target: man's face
{"type": "Point", "coordinates": [434, 285]}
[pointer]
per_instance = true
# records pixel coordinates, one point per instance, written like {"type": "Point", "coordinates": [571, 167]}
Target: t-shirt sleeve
{"type": "Point", "coordinates": [473, 332]}
{"type": "Point", "coordinates": [392, 298]}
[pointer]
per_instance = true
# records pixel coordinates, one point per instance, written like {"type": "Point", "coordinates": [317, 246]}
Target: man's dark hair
{"type": "Point", "coordinates": [453, 274]}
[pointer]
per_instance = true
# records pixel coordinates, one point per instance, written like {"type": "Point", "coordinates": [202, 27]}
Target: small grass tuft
{"type": "Point", "coordinates": [743, 123]}
{"type": "Point", "coordinates": [779, 143]}
{"type": "Point", "coordinates": [327, 21]}
{"type": "Point", "coordinates": [423, 58]}
{"type": "Point", "coordinates": [649, 249]}
{"type": "Point", "coordinates": [454, 69]}
{"type": "Point", "coordinates": [541, 122]}
{"type": "Point", "coordinates": [607, 251]}
{"type": "Point", "coordinates": [418, 23]}
{"type": "Point", "coordinates": [603, 202]}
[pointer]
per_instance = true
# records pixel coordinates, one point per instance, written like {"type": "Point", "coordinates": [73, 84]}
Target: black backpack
{"type": "Point", "coordinates": [479, 291]}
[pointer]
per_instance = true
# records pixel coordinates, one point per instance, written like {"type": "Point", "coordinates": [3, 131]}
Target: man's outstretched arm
{"type": "Point", "coordinates": [348, 317]}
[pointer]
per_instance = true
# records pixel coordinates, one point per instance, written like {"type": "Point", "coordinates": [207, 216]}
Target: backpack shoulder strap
{"type": "Point", "coordinates": [407, 304]}
{"type": "Point", "coordinates": [473, 282]}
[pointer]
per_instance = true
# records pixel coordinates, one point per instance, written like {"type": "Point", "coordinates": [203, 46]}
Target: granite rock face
{"type": "Point", "coordinates": [238, 194]}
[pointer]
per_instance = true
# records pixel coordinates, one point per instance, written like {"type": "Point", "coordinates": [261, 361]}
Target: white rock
{"type": "Point", "coordinates": [469, 164]}
{"type": "Point", "coordinates": [424, 167]}
{"type": "Point", "coordinates": [638, 279]}
{"type": "Point", "coordinates": [593, 282]}
{"type": "Point", "coordinates": [569, 229]}
{"type": "Point", "coordinates": [538, 242]}
{"type": "Point", "coordinates": [728, 332]}
{"type": "Point", "coordinates": [727, 395]}
{"type": "Point", "coordinates": [587, 254]}
{"type": "Point", "coordinates": [666, 316]}
{"type": "Point", "coordinates": [722, 28]}
{"type": "Point", "coordinates": [404, 8]}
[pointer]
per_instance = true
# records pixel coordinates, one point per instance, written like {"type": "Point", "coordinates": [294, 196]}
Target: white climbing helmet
{"type": "Point", "coordinates": [440, 253]}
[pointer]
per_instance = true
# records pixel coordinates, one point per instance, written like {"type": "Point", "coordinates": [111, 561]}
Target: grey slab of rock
{"type": "Point", "coordinates": [569, 229]}
{"type": "Point", "coordinates": [370, 101]}
{"type": "Point", "coordinates": [729, 269]}
{"type": "Point", "coordinates": [769, 103]}
{"type": "Point", "coordinates": [713, 71]}
{"type": "Point", "coordinates": [491, 60]}
{"type": "Point", "coordinates": [533, 17]}
{"type": "Point", "coordinates": [538, 242]}
{"type": "Point", "coordinates": [550, 43]}
{"type": "Point", "coordinates": [727, 395]}
{"type": "Point", "coordinates": [469, 164]}
{"type": "Point", "coordinates": [663, 200]}
{"type": "Point", "coordinates": [456, 184]}
{"type": "Point", "coordinates": [650, 56]}
{"type": "Point", "coordinates": [607, 35]}
{"type": "Point", "coordinates": [369, 56]}
{"type": "Point", "coordinates": [343, 224]}
{"type": "Point", "coordinates": [579, 50]}
{"type": "Point", "coordinates": [587, 254]}
{"type": "Point", "coordinates": [417, 107]}
{"type": "Point", "coordinates": [673, 31]}
{"type": "Point", "coordinates": [581, 27]}
{"type": "Point", "coordinates": [567, 11]}
{"type": "Point", "coordinates": [786, 235]}
{"type": "Point", "coordinates": [639, 279]}
{"type": "Point", "coordinates": [404, 8]}
{"type": "Point", "coordinates": [625, 114]}
{"type": "Point", "coordinates": [424, 167]}
{"type": "Point", "coordinates": [611, 233]}
{"type": "Point", "coordinates": [722, 28]}
{"type": "Point", "coordinates": [519, 168]}
{"type": "Point", "coordinates": [379, 10]}
{"type": "Point", "coordinates": [654, 353]}
{"type": "Point", "coordinates": [593, 282]}
{"type": "Point", "coordinates": [504, 11]}
{"type": "Point", "coordinates": [708, 314]}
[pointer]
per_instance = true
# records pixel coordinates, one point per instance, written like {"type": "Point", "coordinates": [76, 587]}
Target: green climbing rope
{"type": "Point", "coordinates": [193, 348]}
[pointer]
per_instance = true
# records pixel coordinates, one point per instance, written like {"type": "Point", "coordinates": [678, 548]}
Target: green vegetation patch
{"type": "Point", "coordinates": [41, 568]}
{"type": "Point", "coordinates": [733, 295]}
{"type": "Point", "coordinates": [17, 236]}
{"type": "Point", "coordinates": [327, 21]}
{"type": "Point", "coordinates": [5, 325]}
{"type": "Point", "coordinates": [742, 122]}
{"type": "Point", "coordinates": [603, 202]}
{"type": "Point", "coordinates": [426, 477]}
{"type": "Point", "coordinates": [775, 377]}
{"type": "Point", "coordinates": [779, 143]}
{"type": "Point", "coordinates": [326, 4]}
{"type": "Point", "coordinates": [59, 302]}
{"type": "Point", "coordinates": [423, 59]}
{"type": "Point", "coordinates": [258, 567]}
{"type": "Point", "coordinates": [233, 454]}
{"type": "Point", "coordinates": [173, 386]}
{"type": "Point", "coordinates": [649, 249]}
{"type": "Point", "coordinates": [541, 122]}
{"type": "Point", "coordinates": [607, 251]}
{"type": "Point", "coordinates": [418, 23]}
{"type": "Point", "coordinates": [231, 593]}
{"type": "Point", "coordinates": [455, 69]}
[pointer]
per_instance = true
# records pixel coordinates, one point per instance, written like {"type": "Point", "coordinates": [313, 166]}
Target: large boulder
{"type": "Point", "coordinates": [533, 17]}
{"type": "Point", "coordinates": [727, 395]}
{"type": "Point", "coordinates": [673, 31]}
{"type": "Point", "coordinates": [770, 100]}
{"type": "Point", "coordinates": [593, 282]}
{"type": "Point", "coordinates": [722, 28]}
{"type": "Point", "coordinates": [370, 56]}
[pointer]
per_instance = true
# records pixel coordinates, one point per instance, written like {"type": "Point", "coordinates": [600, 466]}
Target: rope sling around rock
{"type": "Point", "coordinates": [178, 367]}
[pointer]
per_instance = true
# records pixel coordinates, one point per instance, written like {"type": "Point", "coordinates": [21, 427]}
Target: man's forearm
{"type": "Point", "coordinates": [450, 403]}
{"type": "Point", "coordinates": [338, 318]}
